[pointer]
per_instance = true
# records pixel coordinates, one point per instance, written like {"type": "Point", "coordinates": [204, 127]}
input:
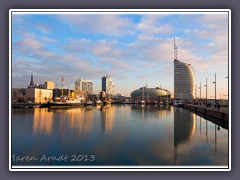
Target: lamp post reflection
{"type": "Point", "coordinates": [215, 138]}
{"type": "Point", "coordinates": [206, 131]}
{"type": "Point", "coordinates": [200, 126]}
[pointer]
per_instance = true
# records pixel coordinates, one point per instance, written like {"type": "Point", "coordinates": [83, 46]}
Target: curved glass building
{"type": "Point", "coordinates": [151, 95]}
{"type": "Point", "coordinates": [184, 81]}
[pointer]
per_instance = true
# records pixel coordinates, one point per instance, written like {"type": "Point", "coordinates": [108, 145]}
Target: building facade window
{"type": "Point", "coordinates": [108, 85]}
{"type": "Point", "coordinates": [84, 85]}
{"type": "Point", "coordinates": [184, 81]}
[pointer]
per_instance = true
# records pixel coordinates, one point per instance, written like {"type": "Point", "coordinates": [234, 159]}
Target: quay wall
{"type": "Point", "coordinates": [205, 111]}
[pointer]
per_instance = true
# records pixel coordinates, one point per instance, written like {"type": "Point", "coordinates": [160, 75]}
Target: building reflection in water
{"type": "Point", "coordinates": [117, 136]}
{"type": "Point", "coordinates": [184, 128]}
{"type": "Point", "coordinates": [108, 114]}
{"type": "Point", "coordinates": [78, 120]}
{"type": "Point", "coordinates": [159, 112]}
{"type": "Point", "coordinates": [42, 121]}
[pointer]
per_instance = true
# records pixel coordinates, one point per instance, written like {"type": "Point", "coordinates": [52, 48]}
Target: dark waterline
{"type": "Point", "coordinates": [116, 135]}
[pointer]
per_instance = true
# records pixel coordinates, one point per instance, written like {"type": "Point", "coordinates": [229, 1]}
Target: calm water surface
{"type": "Point", "coordinates": [116, 135]}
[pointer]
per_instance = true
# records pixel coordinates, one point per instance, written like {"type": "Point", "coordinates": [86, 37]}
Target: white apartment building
{"type": "Point", "coordinates": [84, 85]}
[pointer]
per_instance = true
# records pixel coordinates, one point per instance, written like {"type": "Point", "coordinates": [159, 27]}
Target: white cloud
{"type": "Point", "coordinates": [44, 28]}
{"type": "Point", "coordinates": [77, 45]}
{"type": "Point", "coordinates": [24, 34]}
{"type": "Point", "coordinates": [50, 40]}
{"type": "Point", "coordinates": [106, 49]}
{"type": "Point", "coordinates": [103, 24]}
{"type": "Point", "coordinates": [151, 24]}
{"type": "Point", "coordinates": [26, 45]}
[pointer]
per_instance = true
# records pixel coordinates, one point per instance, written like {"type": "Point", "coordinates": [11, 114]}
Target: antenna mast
{"type": "Point", "coordinates": [175, 50]}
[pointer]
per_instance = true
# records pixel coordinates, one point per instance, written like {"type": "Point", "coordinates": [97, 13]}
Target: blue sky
{"type": "Point", "coordinates": [134, 49]}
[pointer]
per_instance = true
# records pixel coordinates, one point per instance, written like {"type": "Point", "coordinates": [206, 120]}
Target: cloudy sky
{"type": "Point", "coordinates": [135, 49]}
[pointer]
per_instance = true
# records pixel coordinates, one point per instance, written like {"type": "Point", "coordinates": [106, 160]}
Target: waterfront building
{"type": "Point", "coordinates": [34, 95]}
{"type": "Point", "coordinates": [184, 81]}
{"type": "Point", "coordinates": [151, 95]}
{"type": "Point", "coordinates": [108, 85]}
{"type": "Point", "coordinates": [65, 94]}
{"type": "Point", "coordinates": [49, 84]}
{"type": "Point", "coordinates": [84, 85]}
{"type": "Point", "coordinates": [81, 95]}
{"type": "Point", "coordinates": [118, 98]}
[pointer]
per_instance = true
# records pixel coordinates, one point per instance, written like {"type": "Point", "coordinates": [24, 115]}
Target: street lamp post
{"type": "Point", "coordinates": [227, 88]}
{"type": "Point", "coordinates": [215, 82]}
{"type": "Point", "coordinates": [206, 90]}
{"type": "Point", "coordinates": [200, 90]}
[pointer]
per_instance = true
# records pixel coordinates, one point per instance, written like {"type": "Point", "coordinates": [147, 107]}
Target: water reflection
{"type": "Point", "coordinates": [159, 112]}
{"type": "Point", "coordinates": [184, 128]}
{"type": "Point", "coordinates": [203, 147]}
{"type": "Point", "coordinates": [108, 118]}
{"type": "Point", "coordinates": [120, 135]}
{"type": "Point", "coordinates": [79, 120]}
{"type": "Point", "coordinates": [42, 121]}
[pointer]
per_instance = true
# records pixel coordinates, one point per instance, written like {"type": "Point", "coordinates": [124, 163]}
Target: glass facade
{"type": "Point", "coordinates": [108, 85]}
{"type": "Point", "coordinates": [151, 95]}
{"type": "Point", "coordinates": [184, 81]}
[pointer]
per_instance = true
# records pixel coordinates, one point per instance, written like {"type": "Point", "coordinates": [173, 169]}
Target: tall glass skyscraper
{"type": "Point", "coordinates": [184, 81]}
{"type": "Point", "coordinates": [107, 85]}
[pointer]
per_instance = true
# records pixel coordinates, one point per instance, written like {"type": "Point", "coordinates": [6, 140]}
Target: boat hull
{"type": "Point", "coordinates": [64, 104]}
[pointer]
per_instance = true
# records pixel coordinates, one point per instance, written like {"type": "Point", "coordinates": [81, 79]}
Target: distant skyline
{"type": "Point", "coordinates": [135, 49]}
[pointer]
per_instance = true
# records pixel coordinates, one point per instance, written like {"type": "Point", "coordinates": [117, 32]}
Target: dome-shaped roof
{"type": "Point", "coordinates": [151, 92]}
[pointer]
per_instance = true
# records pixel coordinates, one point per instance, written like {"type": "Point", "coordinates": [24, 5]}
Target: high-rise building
{"type": "Point", "coordinates": [107, 85]}
{"type": "Point", "coordinates": [184, 81]}
{"type": "Point", "coordinates": [84, 85]}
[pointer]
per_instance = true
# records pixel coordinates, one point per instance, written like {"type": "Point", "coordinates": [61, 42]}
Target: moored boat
{"type": "Point", "coordinates": [88, 103]}
{"type": "Point", "coordinates": [98, 102]}
{"type": "Point", "coordinates": [177, 103]}
{"type": "Point", "coordinates": [73, 103]}
{"type": "Point", "coordinates": [106, 102]}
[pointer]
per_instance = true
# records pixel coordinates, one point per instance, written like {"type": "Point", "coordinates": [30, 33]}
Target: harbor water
{"type": "Point", "coordinates": [123, 135]}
